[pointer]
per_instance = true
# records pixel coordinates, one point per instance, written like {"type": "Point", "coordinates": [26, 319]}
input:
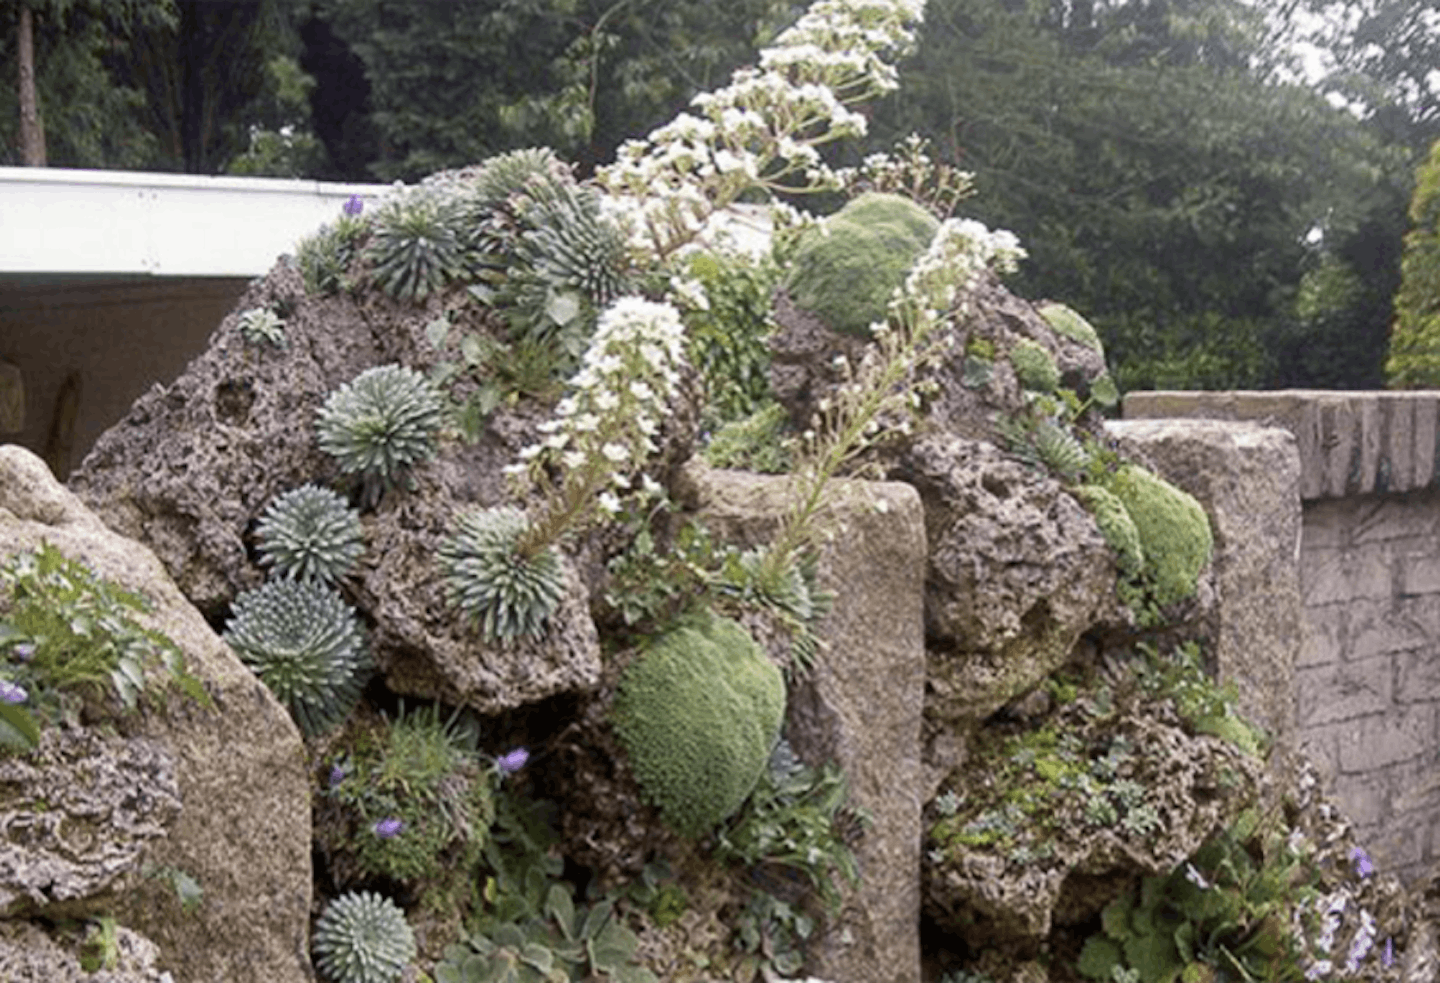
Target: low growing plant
{"type": "Point", "coordinates": [260, 325]}
{"type": "Point", "coordinates": [74, 647]}
{"type": "Point", "coordinates": [379, 425]}
{"type": "Point", "coordinates": [306, 644]}
{"type": "Point", "coordinates": [416, 248]}
{"type": "Point", "coordinates": [363, 937]}
{"type": "Point", "coordinates": [310, 533]}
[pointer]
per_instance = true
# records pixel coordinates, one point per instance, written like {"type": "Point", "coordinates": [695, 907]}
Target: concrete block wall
{"type": "Point", "coordinates": [1367, 676]}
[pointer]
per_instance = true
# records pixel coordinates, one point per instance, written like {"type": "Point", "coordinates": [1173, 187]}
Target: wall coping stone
{"type": "Point", "coordinates": [1351, 443]}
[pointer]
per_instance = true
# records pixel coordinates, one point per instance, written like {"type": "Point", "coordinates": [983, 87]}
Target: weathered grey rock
{"type": "Point", "coordinates": [76, 817]}
{"type": "Point", "coordinates": [1247, 479]}
{"type": "Point", "coordinates": [1017, 571]}
{"type": "Point", "coordinates": [1195, 784]}
{"type": "Point", "coordinates": [804, 371]}
{"type": "Point", "coordinates": [244, 830]}
{"type": "Point", "coordinates": [29, 955]}
{"type": "Point", "coordinates": [192, 467]}
{"type": "Point", "coordinates": [861, 706]}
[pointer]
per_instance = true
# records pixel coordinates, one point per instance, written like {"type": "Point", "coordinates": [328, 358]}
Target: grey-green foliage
{"type": "Point", "coordinates": [261, 324]}
{"type": "Point", "coordinates": [380, 424]}
{"type": "Point", "coordinates": [324, 258]}
{"type": "Point", "coordinates": [1070, 324]}
{"type": "Point", "coordinates": [1115, 525]}
{"type": "Point", "coordinates": [758, 442]}
{"type": "Point", "coordinates": [363, 938]}
{"type": "Point", "coordinates": [847, 272]}
{"type": "Point", "coordinates": [309, 533]}
{"type": "Point", "coordinates": [416, 248]}
{"type": "Point", "coordinates": [306, 644]}
{"type": "Point", "coordinates": [507, 595]}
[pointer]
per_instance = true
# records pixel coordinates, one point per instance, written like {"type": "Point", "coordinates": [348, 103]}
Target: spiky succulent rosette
{"type": "Point", "coordinates": [261, 324]}
{"type": "Point", "coordinates": [363, 938]}
{"type": "Point", "coordinates": [416, 248]}
{"type": "Point", "coordinates": [506, 593]}
{"type": "Point", "coordinates": [309, 533]}
{"type": "Point", "coordinates": [380, 424]}
{"type": "Point", "coordinates": [306, 644]}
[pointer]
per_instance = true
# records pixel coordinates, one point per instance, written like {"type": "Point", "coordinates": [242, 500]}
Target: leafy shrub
{"type": "Point", "coordinates": [309, 533]}
{"type": "Point", "coordinates": [795, 819]}
{"type": "Point", "coordinates": [363, 938]}
{"type": "Point", "coordinates": [380, 424]}
{"type": "Point", "coordinates": [415, 248]}
{"type": "Point", "coordinates": [1222, 914]}
{"type": "Point", "coordinates": [419, 802]}
{"type": "Point", "coordinates": [727, 336]}
{"type": "Point", "coordinates": [305, 643]}
{"type": "Point", "coordinates": [1066, 322]}
{"type": "Point", "coordinates": [758, 442]}
{"type": "Point", "coordinates": [847, 276]}
{"type": "Point", "coordinates": [261, 324]}
{"type": "Point", "coordinates": [73, 642]}
{"type": "Point", "coordinates": [1414, 359]}
{"type": "Point", "coordinates": [506, 593]}
{"type": "Point", "coordinates": [698, 713]}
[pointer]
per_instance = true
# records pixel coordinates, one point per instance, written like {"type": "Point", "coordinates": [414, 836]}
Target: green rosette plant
{"type": "Point", "coordinates": [380, 425]}
{"type": "Point", "coordinates": [305, 643]}
{"type": "Point", "coordinates": [309, 533]}
{"type": "Point", "coordinates": [363, 938]}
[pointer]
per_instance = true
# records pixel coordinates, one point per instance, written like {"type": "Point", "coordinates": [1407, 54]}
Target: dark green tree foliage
{"type": "Point", "coordinates": [1164, 187]}
{"type": "Point", "coordinates": [1414, 361]}
{"type": "Point", "coordinates": [453, 82]}
{"type": "Point", "coordinates": [91, 117]}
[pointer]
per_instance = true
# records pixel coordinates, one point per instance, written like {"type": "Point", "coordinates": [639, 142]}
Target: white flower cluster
{"type": "Point", "coordinates": [961, 250]}
{"type": "Point", "coordinates": [762, 130]}
{"type": "Point", "coordinates": [604, 430]}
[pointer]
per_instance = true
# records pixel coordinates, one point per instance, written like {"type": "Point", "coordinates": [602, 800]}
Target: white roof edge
{"type": "Point", "coordinates": [197, 182]}
{"type": "Point", "coordinates": [58, 220]}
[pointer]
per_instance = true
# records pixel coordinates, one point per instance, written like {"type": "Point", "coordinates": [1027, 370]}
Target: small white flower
{"type": "Point", "coordinates": [609, 503]}
{"type": "Point", "coordinates": [616, 453]}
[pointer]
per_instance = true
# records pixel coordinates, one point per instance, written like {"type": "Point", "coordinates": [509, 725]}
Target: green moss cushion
{"type": "Point", "coordinates": [698, 714]}
{"type": "Point", "coordinates": [846, 272]}
{"type": "Point", "coordinates": [1115, 525]}
{"type": "Point", "coordinates": [1174, 530]}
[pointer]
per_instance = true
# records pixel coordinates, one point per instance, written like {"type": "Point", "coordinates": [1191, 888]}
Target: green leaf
{"type": "Point", "coordinates": [1099, 958]}
{"type": "Point", "coordinates": [438, 330]}
{"type": "Point", "coordinates": [20, 729]}
{"type": "Point", "coordinates": [596, 918]}
{"type": "Point", "coordinates": [613, 948]}
{"type": "Point", "coordinates": [563, 308]}
{"type": "Point", "coordinates": [538, 956]}
{"type": "Point", "coordinates": [560, 906]}
{"type": "Point", "coordinates": [1115, 919]}
{"type": "Point", "coordinates": [473, 350]}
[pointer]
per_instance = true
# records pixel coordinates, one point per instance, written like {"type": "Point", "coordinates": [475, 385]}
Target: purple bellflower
{"type": "Point", "coordinates": [512, 761]}
{"type": "Point", "coordinates": [388, 828]}
{"type": "Point", "coordinates": [1364, 867]}
{"type": "Point", "coordinates": [12, 693]}
{"type": "Point", "coordinates": [354, 205]}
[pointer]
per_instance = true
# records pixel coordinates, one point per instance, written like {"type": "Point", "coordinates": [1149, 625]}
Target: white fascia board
{"type": "Point", "coordinates": [54, 220]}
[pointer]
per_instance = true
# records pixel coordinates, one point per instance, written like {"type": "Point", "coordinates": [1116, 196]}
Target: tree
{"type": "Point", "coordinates": [450, 83]}
{"type": "Point", "coordinates": [1414, 361]}
{"type": "Point", "coordinates": [68, 109]}
{"type": "Point", "coordinates": [1165, 184]}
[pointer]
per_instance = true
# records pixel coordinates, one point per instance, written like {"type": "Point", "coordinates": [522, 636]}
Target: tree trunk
{"type": "Point", "coordinates": [32, 127]}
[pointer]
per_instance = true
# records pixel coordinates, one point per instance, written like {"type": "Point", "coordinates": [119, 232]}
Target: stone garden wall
{"type": "Point", "coordinates": [1367, 679]}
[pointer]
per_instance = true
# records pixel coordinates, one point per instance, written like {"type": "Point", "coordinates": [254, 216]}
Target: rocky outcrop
{"type": "Point", "coordinates": [29, 955]}
{"type": "Point", "coordinates": [1017, 570]}
{"type": "Point", "coordinates": [243, 832]}
{"type": "Point", "coordinates": [192, 467]}
{"type": "Point", "coordinates": [78, 815]}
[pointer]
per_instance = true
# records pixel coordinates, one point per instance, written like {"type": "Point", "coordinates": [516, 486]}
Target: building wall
{"type": "Point", "coordinates": [1367, 677]}
{"type": "Point", "coordinates": [101, 342]}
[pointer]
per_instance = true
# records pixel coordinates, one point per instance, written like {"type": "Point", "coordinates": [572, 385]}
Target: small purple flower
{"type": "Point", "coordinates": [1387, 958]}
{"type": "Point", "coordinates": [354, 205]}
{"type": "Point", "coordinates": [337, 774]}
{"type": "Point", "coordinates": [512, 761]}
{"type": "Point", "coordinates": [1363, 866]}
{"type": "Point", "coordinates": [388, 827]}
{"type": "Point", "coordinates": [23, 652]}
{"type": "Point", "coordinates": [12, 693]}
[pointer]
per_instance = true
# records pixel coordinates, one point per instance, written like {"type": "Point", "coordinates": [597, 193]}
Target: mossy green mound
{"type": "Point", "coordinates": [1034, 366]}
{"type": "Point", "coordinates": [1065, 321]}
{"type": "Point", "coordinates": [846, 273]}
{"type": "Point", "coordinates": [698, 714]}
{"type": "Point", "coordinates": [1174, 530]}
{"type": "Point", "coordinates": [1115, 525]}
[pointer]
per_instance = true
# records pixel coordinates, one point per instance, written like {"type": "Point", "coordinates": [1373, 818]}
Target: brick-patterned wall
{"type": "Point", "coordinates": [1367, 679]}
